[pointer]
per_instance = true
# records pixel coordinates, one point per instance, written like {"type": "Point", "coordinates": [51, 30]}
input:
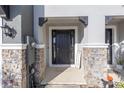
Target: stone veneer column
{"type": "Point", "coordinates": [95, 65]}
{"type": "Point", "coordinates": [13, 67]}
{"type": "Point", "coordinates": [40, 64]}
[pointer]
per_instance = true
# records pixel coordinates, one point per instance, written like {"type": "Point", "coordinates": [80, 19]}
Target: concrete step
{"type": "Point", "coordinates": [44, 82]}
{"type": "Point", "coordinates": [61, 86]}
{"type": "Point", "coordinates": [68, 86]}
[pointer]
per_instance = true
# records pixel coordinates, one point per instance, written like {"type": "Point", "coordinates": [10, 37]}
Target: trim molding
{"type": "Point", "coordinates": [93, 45]}
{"type": "Point", "coordinates": [39, 45]}
{"type": "Point", "coordinates": [13, 46]}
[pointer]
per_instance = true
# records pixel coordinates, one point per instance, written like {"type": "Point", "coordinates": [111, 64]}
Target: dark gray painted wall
{"type": "Point", "coordinates": [13, 22]}
{"type": "Point", "coordinates": [21, 20]}
{"type": "Point", "coordinates": [27, 22]}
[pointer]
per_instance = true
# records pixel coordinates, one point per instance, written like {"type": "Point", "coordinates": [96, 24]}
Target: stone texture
{"type": "Point", "coordinates": [39, 65]}
{"type": "Point", "coordinates": [13, 68]}
{"type": "Point", "coordinates": [95, 65]}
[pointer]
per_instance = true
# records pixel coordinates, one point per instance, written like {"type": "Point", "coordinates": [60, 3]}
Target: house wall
{"type": "Point", "coordinates": [27, 21]}
{"type": "Point", "coordinates": [14, 22]}
{"type": "Point", "coordinates": [21, 19]}
{"type": "Point", "coordinates": [120, 31]}
{"type": "Point", "coordinates": [40, 49]}
{"type": "Point", "coordinates": [15, 55]}
{"type": "Point", "coordinates": [82, 10]}
{"type": "Point", "coordinates": [94, 35]}
{"type": "Point", "coordinates": [14, 68]}
{"type": "Point", "coordinates": [96, 17]}
{"type": "Point", "coordinates": [95, 29]}
{"type": "Point", "coordinates": [38, 12]}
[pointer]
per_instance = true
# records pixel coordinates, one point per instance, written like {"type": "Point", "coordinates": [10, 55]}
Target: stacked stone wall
{"type": "Point", "coordinates": [95, 65]}
{"type": "Point", "coordinates": [13, 68]}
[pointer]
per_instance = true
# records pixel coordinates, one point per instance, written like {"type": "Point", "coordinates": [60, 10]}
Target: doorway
{"type": "Point", "coordinates": [108, 40]}
{"type": "Point", "coordinates": [62, 46]}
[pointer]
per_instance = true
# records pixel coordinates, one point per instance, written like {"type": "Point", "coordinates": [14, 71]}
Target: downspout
{"type": "Point", "coordinates": [0, 53]}
{"type": "Point", "coordinates": [27, 62]}
{"type": "Point", "coordinates": [30, 61]}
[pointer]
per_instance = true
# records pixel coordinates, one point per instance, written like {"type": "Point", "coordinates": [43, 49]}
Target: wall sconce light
{"type": "Point", "coordinates": [42, 20]}
{"type": "Point", "coordinates": [11, 32]}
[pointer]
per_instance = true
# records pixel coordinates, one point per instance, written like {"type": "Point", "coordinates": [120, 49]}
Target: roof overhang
{"type": "Point", "coordinates": [4, 11]}
{"type": "Point", "coordinates": [114, 19]}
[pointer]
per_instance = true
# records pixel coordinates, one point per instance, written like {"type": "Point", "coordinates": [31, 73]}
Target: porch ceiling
{"type": "Point", "coordinates": [115, 20]}
{"type": "Point", "coordinates": [60, 20]}
{"type": "Point", "coordinates": [2, 13]}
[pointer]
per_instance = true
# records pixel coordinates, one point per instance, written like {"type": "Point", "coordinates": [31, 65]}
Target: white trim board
{"type": "Point", "coordinates": [39, 45]}
{"type": "Point", "coordinates": [50, 44]}
{"type": "Point", "coordinates": [93, 45]}
{"type": "Point", "coordinates": [13, 46]}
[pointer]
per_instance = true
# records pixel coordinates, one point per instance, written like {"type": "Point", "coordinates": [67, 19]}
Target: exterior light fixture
{"type": "Point", "coordinates": [42, 20]}
{"type": "Point", "coordinates": [11, 32]}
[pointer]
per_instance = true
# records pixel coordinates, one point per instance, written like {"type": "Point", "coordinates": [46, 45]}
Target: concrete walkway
{"type": "Point", "coordinates": [62, 86]}
{"type": "Point", "coordinates": [63, 77]}
{"type": "Point", "coordinates": [69, 86]}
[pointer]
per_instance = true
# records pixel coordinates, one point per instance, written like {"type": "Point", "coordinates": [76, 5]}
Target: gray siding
{"type": "Point", "coordinates": [21, 21]}
{"type": "Point", "coordinates": [27, 21]}
{"type": "Point", "coordinates": [13, 22]}
{"type": "Point", "coordinates": [120, 31]}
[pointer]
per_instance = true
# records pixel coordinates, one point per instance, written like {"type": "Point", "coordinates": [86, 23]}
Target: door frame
{"type": "Point", "coordinates": [50, 44]}
{"type": "Point", "coordinates": [114, 32]}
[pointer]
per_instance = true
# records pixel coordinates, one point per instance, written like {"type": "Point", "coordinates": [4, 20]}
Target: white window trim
{"type": "Point", "coordinates": [50, 44]}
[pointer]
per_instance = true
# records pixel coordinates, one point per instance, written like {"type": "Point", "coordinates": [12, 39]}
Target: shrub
{"type": "Point", "coordinates": [119, 85]}
{"type": "Point", "coordinates": [120, 62]}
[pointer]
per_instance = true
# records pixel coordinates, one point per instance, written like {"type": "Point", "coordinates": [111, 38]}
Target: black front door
{"type": "Point", "coordinates": [63, 47]}
{"type": "Point", "coordinates": [109, 41]}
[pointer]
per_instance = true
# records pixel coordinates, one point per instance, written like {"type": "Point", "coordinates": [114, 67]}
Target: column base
{"type": "Point", "coordinates": [14, 68]}
{"type": "Point", "coordinates": [95, 65]}
{"type": "Point", "coordinates": [40, 64]}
